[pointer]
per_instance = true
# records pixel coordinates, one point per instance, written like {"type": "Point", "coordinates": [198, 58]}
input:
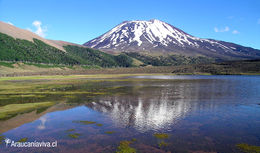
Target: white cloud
{"type": "Point", "coordinates": [9, 23]}
{"type": "Point", "coordinates": [235, 32]}
{"type": "Point", "coordinates": [41, 31]}
{"type": "Point", "coordinates": [226, 29]}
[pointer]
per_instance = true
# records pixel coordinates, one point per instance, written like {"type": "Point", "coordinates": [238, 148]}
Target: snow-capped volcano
{"type": "Point", "coordinates": [155, 35]}
{"type": "Point", "coordinates": [154, 32]}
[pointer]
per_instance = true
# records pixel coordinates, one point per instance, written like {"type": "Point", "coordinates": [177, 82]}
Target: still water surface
{"type": "Point", "coordinates": [199, 113]}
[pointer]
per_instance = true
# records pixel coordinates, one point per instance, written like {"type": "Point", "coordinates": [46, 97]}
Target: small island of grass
{"type": "Point", "coordinates": [74, 135]}
{"type": "Point", "coordinates": [110, 132]}
{"type": "Point", "coordinates": [161, 135]}
{"type": "Point", "coordinates": [85, 122]}
{"type": "Point", "coordinates": [248, 148]}
{"type": "Point", "coordinates": [70, 130]}
{"type": "Point", "coordinates": [23, 140]}
{"type": "Point", "coordinates": [99, 124]}
{"type": "Point", "coordinates": [125, 148]}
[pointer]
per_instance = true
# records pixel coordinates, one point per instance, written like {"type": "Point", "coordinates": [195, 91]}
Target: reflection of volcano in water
{"type": "Point", "coordinates": [158, 105]}
{"type": "Point", "coordinates": [146, 108]}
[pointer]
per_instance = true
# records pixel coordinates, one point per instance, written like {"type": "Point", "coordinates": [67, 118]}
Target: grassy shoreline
{"type": "Point", "coordinates": [83, 76]}
{"type": "Point", "coordinates": [103, 76]}
{"type": "Point", "coordinates": [225, 68]}
{"type": "Point", "coordinates": [11, 110]}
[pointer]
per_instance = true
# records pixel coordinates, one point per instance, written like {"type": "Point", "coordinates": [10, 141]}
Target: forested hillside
{"type": "Point", "coordinates": [94, 57]}
{"type": "Point", "coordinates": [38, 52]}
{"type": "Point", "coordinates": [23, 50]}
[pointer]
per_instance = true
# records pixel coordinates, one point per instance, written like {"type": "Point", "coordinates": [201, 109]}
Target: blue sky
{"type": "Point", "coordinates": [81, 20]}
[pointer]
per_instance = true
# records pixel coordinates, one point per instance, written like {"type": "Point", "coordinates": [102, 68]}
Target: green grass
{"type": "Point", "coordinates": [7, 64]}
{"type": "Point", "coordinates": [99, 124]}
{"type": "Point", "coordinates": [163, 144]}
{"type": "Point", "coordinates": [125, 148]}
{"type": "Point", "coordinates": [51, 77]}
{"type": "Point", "coordinates": [90, 67]}
{"type": "Point", "coordinates": [47, 65]}
{"type": "Point", "coordinates": [23, 140]}
{"type": "Point", "coordinates": [26, 96]}
{"type": "Point", "coordinates": [11, 110]}
{"type": "Point", "coordinates": [110, 132]}
{"type": "Point", "coordinates": [69, 96]}
{"type": "Point", "coordinates": [66, 77]}
{"type": "Point", "coordinates": [248, 148]}
{"type": "Point", "coordinates": [161, 135]}
{"type": "Point", "coordinates": [85, 122]}
{"type": "Point", "coordinates": [134, 139]}
{"type": "Point", "coordinates": [74, 135]}
{"type": "Point", "coordinates": [70, 130]}
{"type": "Point", "coordinates": [2, 139]}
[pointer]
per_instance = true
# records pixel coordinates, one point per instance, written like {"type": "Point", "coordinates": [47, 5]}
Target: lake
{"type": "Point", "coordinates": [143, 113]}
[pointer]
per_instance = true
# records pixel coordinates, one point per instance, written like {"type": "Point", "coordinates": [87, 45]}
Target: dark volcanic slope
{"type": "Point", "coordinates": [159, 37]}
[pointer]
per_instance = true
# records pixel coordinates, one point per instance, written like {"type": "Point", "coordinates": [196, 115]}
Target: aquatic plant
{"type": "Point", "coordinates": [248, 148]}
{"type": "Point", "coordinates": [134, 139]}
{"type": "Point", "coordinates": [1, 139]}
{"type": "Point", "coordinates": [161, 135]}
{"type": "Point", "coordinates": [85, 122]}
{"type": "Point", "coordinates": [74, 135]}
{"type": "Point", "coordinates": [23, 140]}
{"type": "Point", "coordinates": [163, 144]}
{"type": "Point", "coordinates": [70, 130]}
{"type": "Point", "coordinates": [125, 148]}
{"type": "Point", "coordinates": [110, 132]}
{"type": "Point", "coordinates": [99, 124]}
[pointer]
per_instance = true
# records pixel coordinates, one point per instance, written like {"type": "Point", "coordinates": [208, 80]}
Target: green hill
{"type": "Point", "coordinates": [94, 57]}
{"type": "Point", "coordinates": [23, 50]}
{"type": "Point", "coordinates": [39, 52]}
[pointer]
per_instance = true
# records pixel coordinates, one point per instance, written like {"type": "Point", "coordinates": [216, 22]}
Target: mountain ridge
{"type": "Point", "coordinates": [156, 36]}
{"type": "Point", "coordinates": [19, 33]}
